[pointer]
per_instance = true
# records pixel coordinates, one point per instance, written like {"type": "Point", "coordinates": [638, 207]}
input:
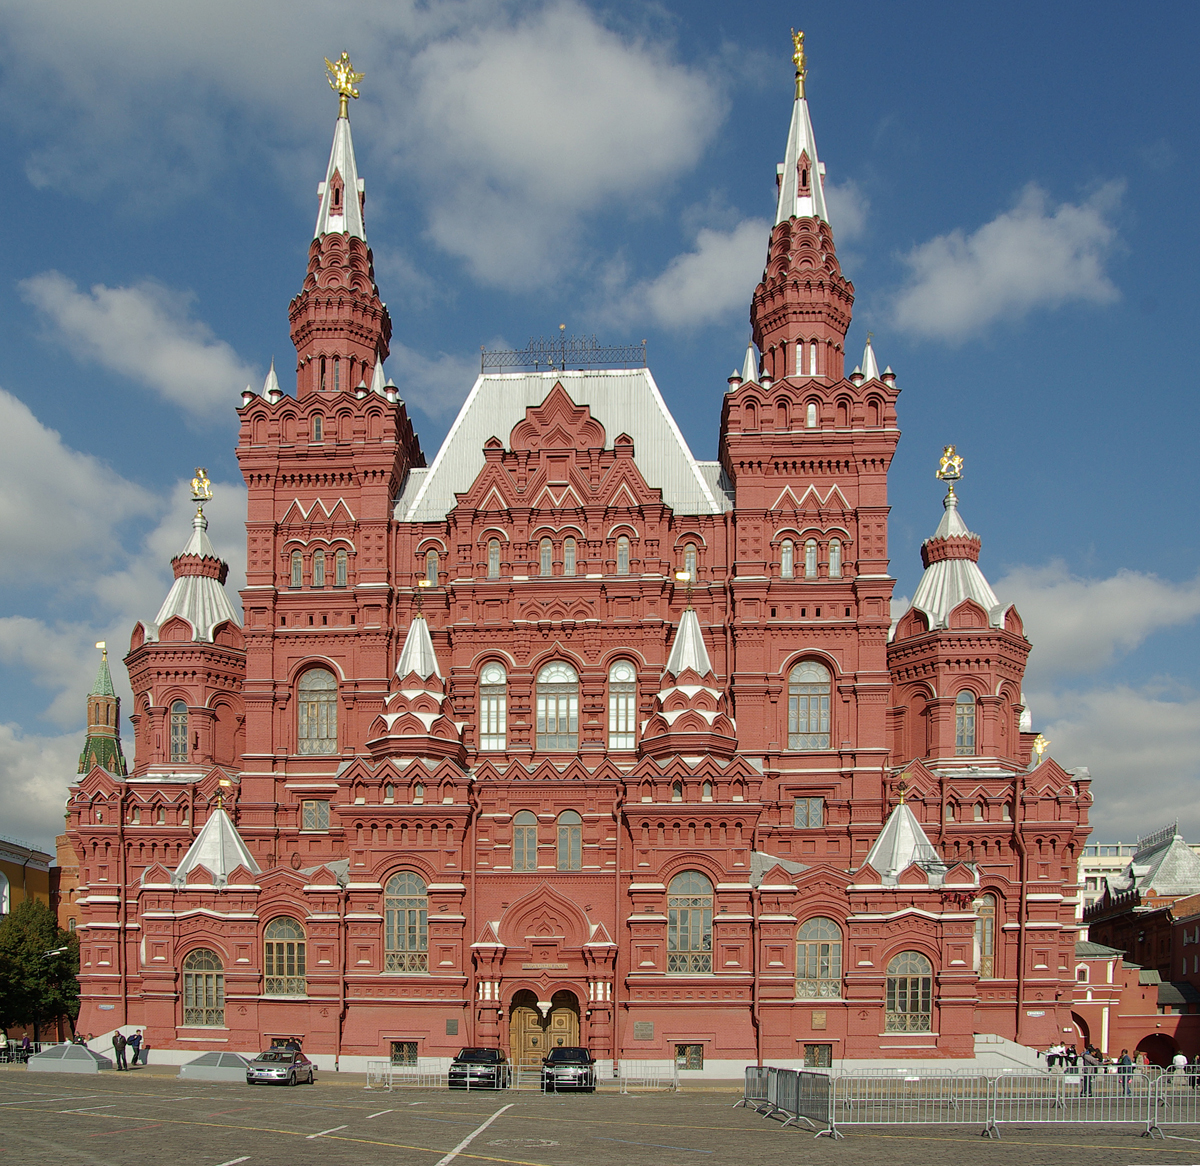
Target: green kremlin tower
{"type": "Point", "coordinates": [103, 744]}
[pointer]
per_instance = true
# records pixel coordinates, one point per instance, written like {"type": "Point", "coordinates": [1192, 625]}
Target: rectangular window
{"type": "Point", "coordinates": [558, 716]}
{"type": "Point", "coordinates": [493, 716]}
{"type": "Point", "coordinates": [525, 848]}
{"type": "Point", "coordinates": [622, 711]}
{"type": "Point", "coordinates": [404, 1052]}
{"type": "Point", "coordinates": [810, 813]}
{"type": "Point", "coordinates": [314, 815]}
{"type": "Point", "coordinates": [818, 1056]}
{"type": "Point", "coordinates": [570, 842]}
{"type": "Point", "coordinates": [689, 1056]}
{"type": "Point", "coordinates": [808, 716]}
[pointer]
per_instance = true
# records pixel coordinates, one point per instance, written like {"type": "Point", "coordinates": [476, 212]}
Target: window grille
{"type": "Point", "coordinates": [689, 1056]}
{"type": "Point", "coordinates": [404, 1053]}
{"type": "Point", "coordinates": [317, 706]}
{"type": "Point", "coordinates": [809, 813]}
{"type": "Point", "coordinates": [558, 707]}
{"type": "Point", "coordinates": [524, 841]}
{"type": "Point", "coordinates": [622, 706]}
{"type": "Point", "coordinates": [808, 706]}
{"type": "Point", "coordinates": [493, 707]}
{"type": "Point", "coordinates": [284, 958]}
{"type": "Point", "coordinates": [318, 569]}
{"type": "Point", "coordinates": [787, 559]}
{"type": "Point", "coordinates": [314, 815]}
{"type": "Point", "coordinates": [569, 550]}
{"type": "Point", "coordinates": [203, 989]}
{"type": "Point", "coordinates": [570, 841]}
{"type": "Point", "coordinates": [909, 1005]}
{"type": "Point", "coordinates": [179, 731]}
{"type": "Point", "coordinates": [622, 556]}
{"type": "Point", "coordinates": [819, 960]}
{"type": "Point", "coordinates": [964, 724]}
{"type": "Point", "coordinates": [406, 924]}
{"type": "Point", "coordinates": [493, 562]}
{"type": "Point", "coordinates": [689, 923]}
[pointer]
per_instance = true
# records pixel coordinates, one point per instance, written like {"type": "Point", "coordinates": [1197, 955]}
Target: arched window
{"type": "Point", "coordinates": [835, 558]}
{"type": "Point", "coordinates": [493, 558]}
{"type": "Point", "coordinates": [689, 923]}
{"type": "Point", "coordinates": [316, 699]}
{"type": "Point", "coordinates": [297, 569]}
{"type": "Point", "coordinates": [787, 559]}
{"type": "Point", "coordinates": [689, 561]}
{"type": "Point", "coordinates": [676, 791]}
{"type": "Point", "coordinates": [706, 792]}
{"type": "Point", "coordinates": [622, 556]}
{"type": "Point", "coordinates": [808, 706]}
{"type": "Point", "coordinates": [558, 707]}
{"type": "Point", "coordinates": [337, 374]}
{"type": "Point", "coordinates": [622, 705]}
{"type": "Point", "coordinates": [964, 724]}
{"type": "Point", "coordinates": [179, 731]}
{"type": "Point", "coordinates": [340, 569]}
{"type": "Point", "coordinates": [800, 358]}
{"type": "Point", "coordinates": [318, 568]}
{"type": "Point", "coordinates": [493, 707]}
{"type": "Point", "coordinates": [810, 559]}
{"type": "Point", "coordinates": [819, 960]}
{"type": "Point", "coordinates": [524, 841]}
{"type": "Point", "coordinates": [418, 794]}
{"type": "Point", "coordinates": [570, 841]}
{"type": "Point", "coordinates": [284, 958]}
{"type": "Point", "coordinates": [547, 557]}
{"type": "Point", "coordinates": [203, 989]}
{"type": "Point", "coordinates": [909, 1005]}
{"type": "Point", "coordinates": [431, 568]}
{"type": "Point", "coordinates": [810, 419]}
{"type": "Point", "coordinates": [322, 374]}
{"type": "Point", "coordinates": [318, 428]}
{"type": "Point", "coordinates": [569, 556]}
{"type": "Point", "coordinates": [389, 793]}
{"type": "Point", "coordinates": [985, 935]}
{"type": "Point", "coordinates": [5, 904]}
{"type": "Point", "coordinates": [406, 924]}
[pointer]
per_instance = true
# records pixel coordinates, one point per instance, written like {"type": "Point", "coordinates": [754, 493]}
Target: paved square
{"type": "Point", "coordinates": [150, 1117]}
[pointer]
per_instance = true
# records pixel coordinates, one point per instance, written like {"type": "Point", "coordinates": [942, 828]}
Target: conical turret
{"type": "Point", "coordinates": [103, 743]}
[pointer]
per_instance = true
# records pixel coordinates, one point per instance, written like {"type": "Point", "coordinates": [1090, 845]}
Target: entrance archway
{"type": "Point", "coordinates": [1158, 1047]}
{"type": "Point", "coordinates": [1081, 1027]}
{"type": "Point", "coordinates": [534, 1028]}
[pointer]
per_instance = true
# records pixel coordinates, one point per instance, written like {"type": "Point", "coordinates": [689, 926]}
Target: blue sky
{"type": "Point", "coordinates": [1012, 191]}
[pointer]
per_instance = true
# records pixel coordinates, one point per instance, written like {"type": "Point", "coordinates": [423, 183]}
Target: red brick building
{"type": "Point", "coordinates": [566, 735]}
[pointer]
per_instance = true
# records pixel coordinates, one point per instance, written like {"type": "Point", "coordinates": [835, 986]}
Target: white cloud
{"type": "Point", "coordinates": [710, 283]}
{"type": "Point", "coordinates": [1033, 256]}
{"type": "Point", "coordinates": [145, 333]}
{"type": "Point", "coordinates": [34, 775]}
{"type": "Point", "coordinates": [848, 209]}
{"type": "Point", "coordinates": [59, 509]}
{"type": "Point", "coordinates": [435, 385]}
{"type": "Point", "coordinates": [1078, 625]}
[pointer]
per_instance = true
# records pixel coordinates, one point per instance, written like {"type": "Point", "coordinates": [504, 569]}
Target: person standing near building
{"type": "Point", "coordinates": [135, 1043]}
{"type": "Point", "coordinates": [119, 1050]}
{"type": "Point", "coordinates": [1091, 1066]}
{"type": "Point", "coordinates": [1125, 1070]}
{"type": "Point", "coordinates": [1179, 1066]}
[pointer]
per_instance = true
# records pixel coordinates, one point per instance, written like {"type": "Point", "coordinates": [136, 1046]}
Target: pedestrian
{"type": "Point", "coordinates": [1091, 1066]}
{"type": "Point", "coordinates": [26, 1049]}
{"type": "Point", "coordinates": [1125, 1070]}
{"type": "Point", "coordinates": [119, 1050]}
{"type": "Point", "coordinates": [1193, 1070]}
{"type": "Point", "coordinates": [1179, 1066]}
{"type": "Point", "coordinates": [1072, 1057]}
{"type": "Point", "coordinates": [145, 1051]}
{"type": "Point", "coordinates": [135, 1043]}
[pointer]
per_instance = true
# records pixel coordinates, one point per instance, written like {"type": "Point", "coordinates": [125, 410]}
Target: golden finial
{"type": "Point", "coordinates": [1040, 745]}
{"type": "Point", "coordinates": [222, 785]}
{"type": "Point", "coordinates": [342, 80]}
{"type": "Point", "coordinates": [201, 489]}
{"type": "Point", "coordinates": [950, 468]}
{"type": "Point", "coordinates": [799, 60]}
{"type": "Point", "coordinates": [902, 790]}
{"type": "Point", "coordinates": [103, 650]}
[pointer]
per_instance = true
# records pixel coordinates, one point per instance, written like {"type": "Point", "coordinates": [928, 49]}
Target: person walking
{"type": "Point", "coordinates": [135, 1043]}
{"type": "Point", "coordinates": [1193, 1070]}
{"type": "Point", "coordinates": [1091, 1066]}
{"type": "Point", "coordinates": [1125, 1070]}
{"type": "Point", "coordinates": [26, 1049]}
{"type": "Point", "coordinates": [1179, 1067]}
{"type": "Point", "coordinates": [119, 1050]}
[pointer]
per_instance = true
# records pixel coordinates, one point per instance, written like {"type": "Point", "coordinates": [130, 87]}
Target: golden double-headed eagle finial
{"type": "Point", "coordinates": [799, 60]}
{"type": "Point", "coordinates": [950, 468]}
{"type": "Point", "coordinates": [201, 489]}
{"type": "Point", "coordinates": [1040, 745]}
{"type": "Point", "coordinates": [342, 80]}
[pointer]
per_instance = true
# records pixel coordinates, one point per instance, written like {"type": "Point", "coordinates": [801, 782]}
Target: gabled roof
{"type": "Point", "coordinates": [341, 162]}
{"type": "Point", "coordinates": [1086, 950]}
{"type": "Point", "coordinates": [622, 400]}
{"type": "Point", "coordinates": [901, 842]}
{"type": "Point", "coordinates": [1164, 863]}
{"type": "Point", "coordinates": [219, 849]}
{"type": "Point", "coordinates": [688, 650]}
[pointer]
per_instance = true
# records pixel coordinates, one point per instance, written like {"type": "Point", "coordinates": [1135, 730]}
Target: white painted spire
{"type": "Point", "coordinates": [689, 651]}
{"type": "Point", "coordinates": [801, 174]}
{"type": "Point", "coordinates": [271, 384]}
{"type": "Point", "coordinates": [377, 385]}
{"type": "Point", "coordinates": [418, 655]}
{"type": "Point", "coordinates": [750, 365]}
{"type": "Point", "coordinates": [219, 849]}
{"type": "Point", "coordinates": [196, 595]}
{"type": "Point", "coordinates": [870, 366]}
{"type": "Point", "coordinates": [341, 205]}
{"type": "Point", "coordinates": [902, 842]}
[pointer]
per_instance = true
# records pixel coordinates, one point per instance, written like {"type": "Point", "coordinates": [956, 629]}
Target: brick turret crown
{"type": "Point", "coordinates": [103, 743]}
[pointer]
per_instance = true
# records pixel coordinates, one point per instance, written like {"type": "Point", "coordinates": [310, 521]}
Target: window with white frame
{"type": "Point", "coordinates": [569, 552]}
{"type": "Point", "coordinates": [689, 923]}
{"type": "Point", "coordinates": [547, 557]}
{"type": "Point", "coordinates": [819, 960]}
{"type": "Point", "coordinates": [318, 574]}
{"type": "Point", "coordinates": [570, 841]}
{"type": "Point", "coordinates": [909, 994]}
{"type": "Point", "coordinates": [787, 559]}
{"type": "Point", "coordinates": [622, 556]}
{"type": "Point", "coordinates": [493, 558]}
{"type": "Point", "coordinates": [493, 707]}
{"type": "Point", "coordinates": [524, 841]}
{"type": "Point", "coordinates": [810, 558]}
{"type": "Point", "coordinates": [558, 707]}
{"type": "Point", "coordinates": [808, 706]}
{"type": "Point", "coordinates": [406, 924]}
{"type": "Point", "coordinates": [316, 700]}
{"type": "Point", "coordinates": [622, 705]}
{"type": "Point", "coordinates": [835, 558]}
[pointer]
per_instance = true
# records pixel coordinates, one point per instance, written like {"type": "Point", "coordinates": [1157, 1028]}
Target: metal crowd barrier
{"type": "Point", "coordinates": [385, 1075]}
{"type": "Point", "coordinates": [648, 1075]}
{"type": "Point", "coordinates": [829, 1102]}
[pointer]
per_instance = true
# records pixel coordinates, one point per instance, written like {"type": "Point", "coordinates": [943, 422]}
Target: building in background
{"type": "Point", "coordinates": [24, 874]}
{"type": "Point", "coordinates": [569, 736]}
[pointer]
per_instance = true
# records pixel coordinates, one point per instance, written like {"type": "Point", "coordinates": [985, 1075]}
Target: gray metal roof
{"type": "Point", "coordinates": [622, 400]}
{"type": "Point", "coordinates": [1085, 949]}
{"type": "Point", "coordinates": [417, 654]}
{"type": "Point", "coordinates": [199, 599]}
{"type": "Point", "coordinates": [689, 651]}
{"type": "Point", "coordinates": [901, 842]}
{"type": "Point", "coordinates": [219, 849]}
{"type": "Point", "coordinates": [1164, 862]}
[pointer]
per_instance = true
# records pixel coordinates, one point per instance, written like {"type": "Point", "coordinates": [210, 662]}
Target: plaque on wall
{"type": "Point", "coordinates": [819, 1020]}
{"type": "Point", "coordinates": [452, 1028]}
{"type": "Point", "coordinates": [643, 1030]}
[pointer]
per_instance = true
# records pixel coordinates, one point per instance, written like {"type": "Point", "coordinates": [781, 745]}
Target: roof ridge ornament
{"type": "Point", "coordinates": [202, 488]}
{"type": "Point", "coordinates": [799, 60]}
{"type": "Point", "coordinates": [342, 80]}
{"type": "Point", "coordinates": [950, 469]}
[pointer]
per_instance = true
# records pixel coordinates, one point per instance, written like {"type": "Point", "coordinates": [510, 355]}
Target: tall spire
{"type": "Point", "coordinates": [341, 193]}
{"type": "Point", "coordinates": [870, 366]}
{"type": "Point", "coordinates": [801, 175]}
{"type": "Point", "coordinates": [418, 655]}
{"type": "Point", "coordinates": [102, 746]}
{"type": "Point", "coordinates": [219, 849]}
{"type": "Point", "coordinates": [689, 651]}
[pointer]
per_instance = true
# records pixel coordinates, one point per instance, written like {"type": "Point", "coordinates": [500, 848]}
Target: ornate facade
{"type": "Point", "coordinates": [567, 735]}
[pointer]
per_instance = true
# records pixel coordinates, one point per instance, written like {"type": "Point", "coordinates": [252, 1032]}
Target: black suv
{"type": "Point", "coordinates": [479, 1069]}
{"type": "Point", "coordinates": [568, 1068]}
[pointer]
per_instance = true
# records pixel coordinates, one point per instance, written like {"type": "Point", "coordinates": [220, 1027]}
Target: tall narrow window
{"type": "Point", "coordinates": [808, 706]}
{"type": "Point", "coordinates": [178, 731]}
{"type": "Point", "coordinates": [985, 935]}
{"type": "Point", "coordinates": [406, 924]}
{"type": "Point", "coordinates": [835, 558]}
{"type": "Point", "coordinates": [800, 359]}
{"type": "Point", "coordinates": [297, 569]}
{"type": "Point", "coordinates": [569, 556]}
{"type": "Point", "coordinates": [819, 960]}
{"type": "Point", "coordinates": [337, 375]}
{"type": "Point", "coordinates": [964, 724]}
{"type": "Point", "coordinates": [340, 568]}
{"type": "Point", "coordinates": [317, 707]}
{"type": "Point", "coordinates": [622, 556]}
{"type": "Point", "coordinates": [547, 557]}
{"type": "Point", "coordinates": [812, 370]}
{"type": "Point", "coordinates": [318, 427]}
{"type": "Point", "coordinates": [284, 958]}
{"type": "Point", "coordinates": [322, 374]}
{"type": "Point", "coordinates": [622, 705]}
{"type": "Point", "coordinates": [318, 568]}
{"type": "Point", "coordinates": [570, 841]}
{"type": "Point", "coordinates": [203, 989]}
{"type": "Point", "coordinates": [787, 559]}
{"type": "Point", "coordinates": [558, 707]}
{"type": "Point", "coordinates": [810, 559]}
{"type": "Point", "coordinates": [689, 561]}
{"type": "Point", "coordinates": [689, 923]}
{"type": "Point", "coordinates": [493, 567]}
{"type": "Point", "coordinates": [810, 418]}
{"type": "Point", "coordinates": [418, 794]}
{"type": "Point", "coordinates": [524, 841]}
{"type": "Point", "coordinates": [431, 568]}
{"type": "Point", "coordinates": [493, 707]}
{"type": "Point", "coordinates": [909, 1006]}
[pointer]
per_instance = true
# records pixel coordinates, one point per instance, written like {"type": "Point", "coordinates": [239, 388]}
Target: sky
{"type": "Point", "coordinates": [1011, 189]}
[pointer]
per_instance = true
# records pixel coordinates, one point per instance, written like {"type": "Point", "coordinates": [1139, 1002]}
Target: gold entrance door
{"type": "Point", "coordinates": [563, 1028]}
{"type": "Point", "coordinates": [527, 1040]}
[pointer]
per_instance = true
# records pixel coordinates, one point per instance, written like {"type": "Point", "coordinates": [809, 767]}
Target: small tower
{"type": "Point", "coordinates": [103, 744]}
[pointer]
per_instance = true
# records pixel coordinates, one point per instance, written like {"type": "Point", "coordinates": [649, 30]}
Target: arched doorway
{"type": "Point", "coordinates": [1081, 1027]}
{"type": "Point", "coordinates": [534, 1028]}
{"type": "Point", "coordinates": [1158, 1047]}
